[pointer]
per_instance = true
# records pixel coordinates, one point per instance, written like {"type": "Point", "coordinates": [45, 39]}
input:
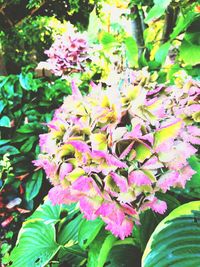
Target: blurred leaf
{"type": "Point", "coordinates": [183, 22]}
{"type": "Point", "coordinates": [2, 105]}
{"type": "Point", "coordinates": [166, 133]}
{"type": "Point", "coordinates": [4, 141]}
{"type": "Point", "coordinates": [9, 149]}
{"type": "Point", "coordinates": [5, 122]}
{"type": "Point", "coordinates": [30, 127]}
{"type": "Point", "coordinates": [107, 40]}
{"type": "Point", "coordinates": [94, 26]}
{"type": "Point", "coordinates": [27, 82]}
{"type": "Point", "coordinates": [33, 185]}
{"type": "Point", "coordinates": [190, 53]}
{"type": "Point", "coordinates": [131, 51]}
{"type": "Point", "coordinates": [162, 52]}
{"type": "Point", "coordinates": [157, 10]}
{"type": "Point", "coordinates": [26, 147]}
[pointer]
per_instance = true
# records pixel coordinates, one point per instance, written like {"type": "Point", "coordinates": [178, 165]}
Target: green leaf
{"type": "Point", "coordinates": [189, 53]}
{"type": "Point", "coordinates": [2, 105]}
{"type": "Point", "coordinates": [27, 82]}
{"type": "Point", "coordinates": [33, 185]}
{"type": "Point", "coordinates": [30, 128]}
{"type": "Point", "coordinates": [142, 152]}
{"type": "Point", "coordinates": [99, 249]}
{"type": "Point", "coordinates": [107, 40]}
{"type": "Point", "coordinates": [176, 240]}
{"type": "Point", "coordinates": [26, 147]}
{"type": "Point", "coordinates": [47, 213]}
{"type": "Point", "coordinates": [5, 122]}
{"type": "Point", "coordinates": [4, 141]}
{"type": "Point", "coordinates": [131, 51]}
{"type": "Point", "coordinates": [124, 255]}
{"type": "Point", "coordinates": [183, 22]}
{"type": "Point", "coordinates": [69, 233]}
{"type": "Point", "coordinates": [88, 231]}
{"type": "Point", "coordinates": [162, 52]}
{"type": "Point", "coordinates": [157, 10]}
{"type": "Point", "coordinates": [9, 149]}
{"type": "Point", "coordinates": [36, 245]}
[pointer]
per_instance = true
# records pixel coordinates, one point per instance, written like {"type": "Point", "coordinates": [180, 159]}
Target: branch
{"type": "Point", "coordinates": [137, 29]}
{"type": "Point", "coordinates": [31, 14]}
{"type": "Point", "coordinates": [170, 20]}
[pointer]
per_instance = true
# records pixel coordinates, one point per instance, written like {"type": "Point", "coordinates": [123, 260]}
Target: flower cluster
{"type": "Point", "coordinates": [114, 149]}
{"type": "Point", "coordinates": [67, 54]}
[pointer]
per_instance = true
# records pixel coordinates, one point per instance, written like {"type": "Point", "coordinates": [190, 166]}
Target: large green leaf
{"type": "Point", "coordinates": [100, 248]}
{"type": "Point", "coordinates": [88, 231]}
{"type": "Point", "coordinates": [36, 245]}
{"type": "Point", "coordinates": [47, 213]}
{"type": "Point", "coordinates": [176, 240]}
{"type": "Point", "coordinates": [124, 256]}
{"type": "Point", "coordinates": [68, 235]}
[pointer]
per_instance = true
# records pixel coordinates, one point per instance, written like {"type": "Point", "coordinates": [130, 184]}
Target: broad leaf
{"type": "Point", "coordinates": [142, 152]}
{"type": "Point", "coordinates": [99, 249]}
{"type": "Point", "coordinates": [36, 245]}
{"type": "Point", "coordinates": [88, 231]}
{"type": "Point", "coordinates": [47, 213]}
{"type": "Point", "coordinates": [124, 255]}
{"type": "Point", "coordinates": [176, 240]}
{"type": "Point", "coordinates": [68, 235]}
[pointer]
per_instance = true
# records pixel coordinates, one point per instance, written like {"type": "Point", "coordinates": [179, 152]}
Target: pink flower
{"type": "Point", "coordinates": [65, 169]}
{"type": "Point", "coordinates": [88, 206]}
{"type": "Point", "coordinates": [138, 178]}
{"type": "Point", "coordinates": [155, 204]}
{"type": "Point", "coordinates": [58, 195]}
{"type": "Point", "coordinates": [120, 181]}
{"type": "Point", "coordinates": [50, 167]}
{"type": "Point", "coordinates": [167, 180]}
